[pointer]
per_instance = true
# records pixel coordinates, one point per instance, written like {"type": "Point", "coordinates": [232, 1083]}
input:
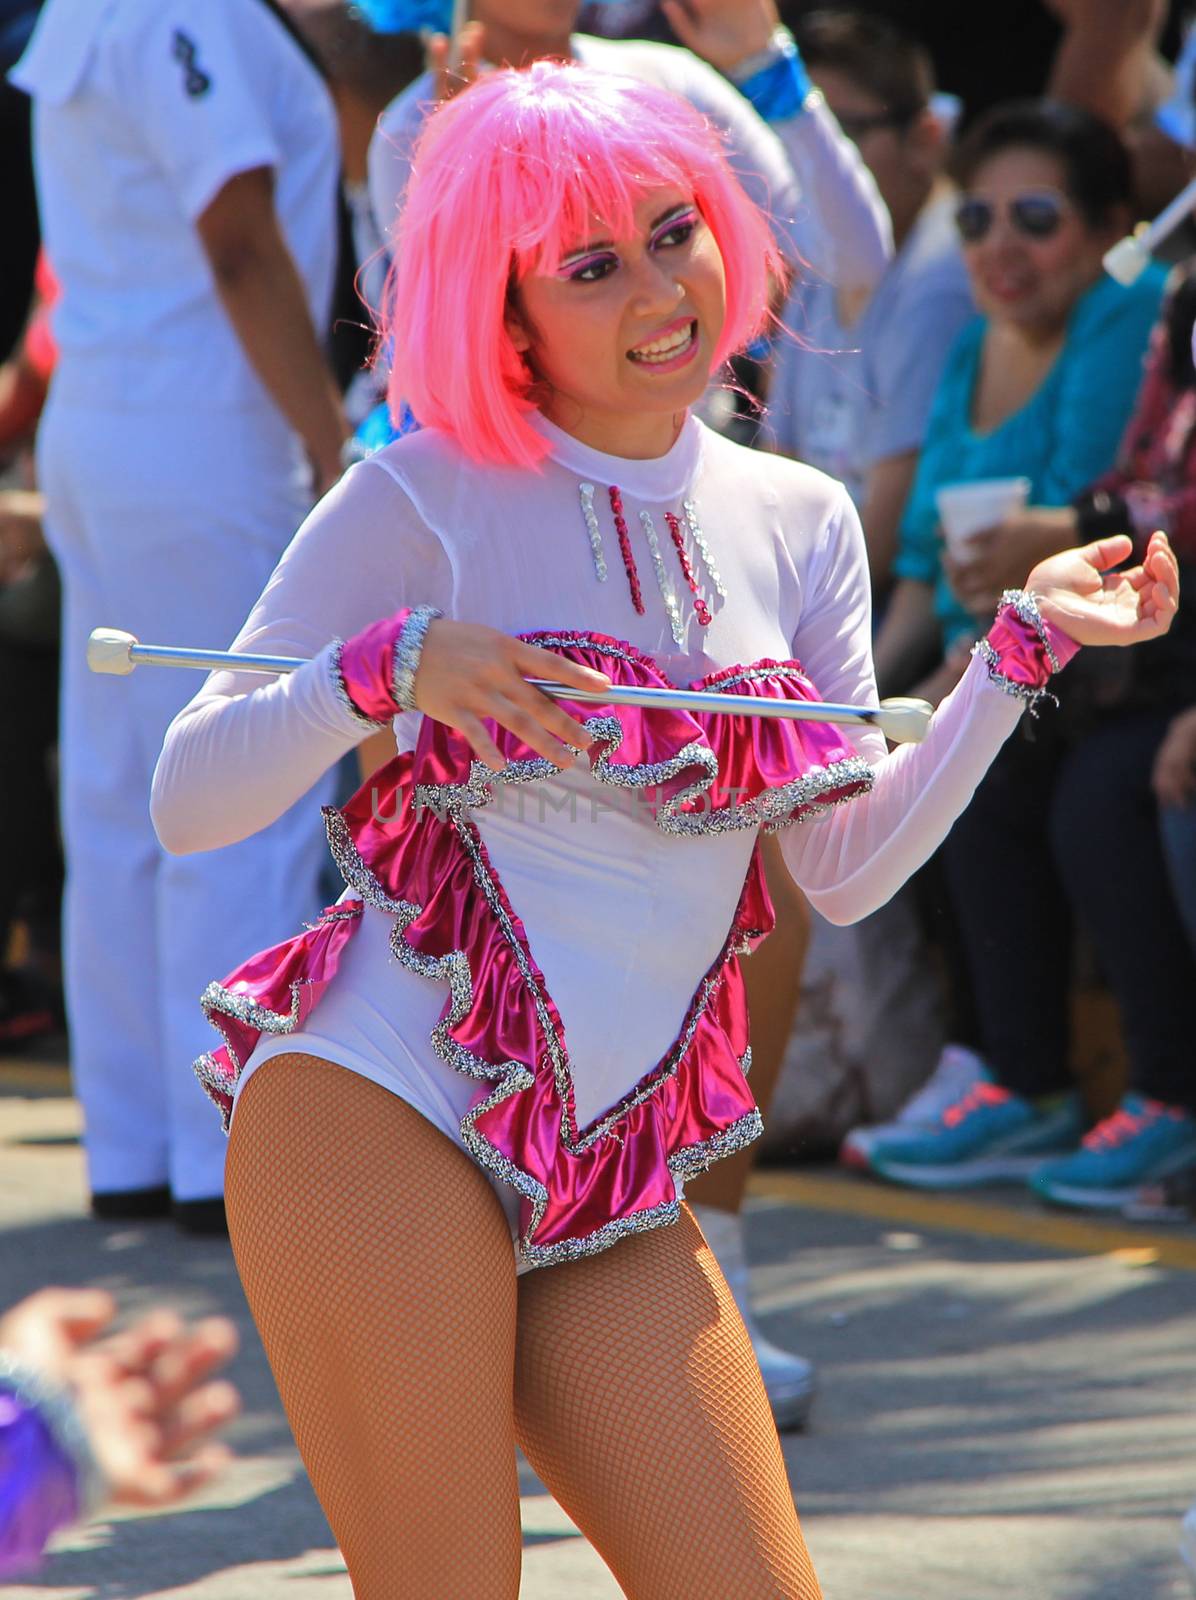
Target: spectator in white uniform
{"type": "Point", "coordinates": [852, 390]}
{"type": "Point", "coordinates": [187, 165]}
{"type": "Point", "coordinates": [783, 142]}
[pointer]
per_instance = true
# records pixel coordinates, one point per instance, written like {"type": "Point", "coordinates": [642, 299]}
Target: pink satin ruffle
{"type": "Point", "coordinates": [273, 992]}
{"type": "Point", "coordinates": [367, 666]}
{"type": "Point", "coordinates": [407, 844]}
{"type": "Point", "coordinates": [1022, 652]}
{"type": "Point", "coordinates": [700, 772]}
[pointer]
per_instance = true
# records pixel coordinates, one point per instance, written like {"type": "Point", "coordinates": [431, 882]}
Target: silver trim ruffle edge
{"type": "Point", "coordinates": [407, 650]}
{"type": "Point", "coordinates": [1025, 607]}
{"type": "Point", "coordinates": [513, 1077]}
{"type": "Point", "coordinates": [769, 811]}
{"type": "Point", "coordinates": [218, 1002]}
{"type": "Point", "coordinates": [341, 690]}
{"type": "Point", "coordinates": [408, 647]}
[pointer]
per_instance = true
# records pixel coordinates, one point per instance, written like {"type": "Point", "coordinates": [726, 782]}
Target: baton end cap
{"type": "Point", "coordinates": [111, 651]}
{"type": "Point", "coordinates": [904, 721]}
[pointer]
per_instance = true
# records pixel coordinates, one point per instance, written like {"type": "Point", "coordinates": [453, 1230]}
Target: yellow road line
{"type": "Point", "coordinates": [909, 1208]}
{"type": "Point", "coordinates": [848, 1197]}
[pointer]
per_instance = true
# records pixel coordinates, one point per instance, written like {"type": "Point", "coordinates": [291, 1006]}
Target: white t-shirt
{"type": "Point", "coordinates": [826, 210]}
{"type": "Point", "coordinates": [143, 111]}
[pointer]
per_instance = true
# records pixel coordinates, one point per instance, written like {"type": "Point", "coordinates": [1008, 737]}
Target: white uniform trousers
{"type": "Point", "coordinates": [169, 528]}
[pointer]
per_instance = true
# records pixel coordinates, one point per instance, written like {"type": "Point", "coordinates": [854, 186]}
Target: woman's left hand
{"type": "Point", "coordinates": [1079, 592]}
{"type": "Point", "coordinates": [723, 32]}
{"type": "Point", "coordinates": [999, 558]}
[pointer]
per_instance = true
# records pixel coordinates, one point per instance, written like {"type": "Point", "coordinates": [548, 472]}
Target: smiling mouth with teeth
{"type": "Point", "coordinates": [667, 348]}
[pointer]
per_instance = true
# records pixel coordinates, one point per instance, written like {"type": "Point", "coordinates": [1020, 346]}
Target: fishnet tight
{"type": "Point", "coordinates": [379, 1270]}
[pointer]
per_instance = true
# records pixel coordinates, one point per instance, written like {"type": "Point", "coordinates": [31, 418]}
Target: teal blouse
{"type": "Point", "coordinates": [1065, 436]}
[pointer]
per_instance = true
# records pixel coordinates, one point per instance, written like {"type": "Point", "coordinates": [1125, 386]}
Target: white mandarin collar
{"type": "Point", "coordinates": [667, 477]}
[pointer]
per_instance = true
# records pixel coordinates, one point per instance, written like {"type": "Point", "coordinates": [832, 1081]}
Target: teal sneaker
{"type": "Point", "coordinates": [1143, 1142]}
{"type": "Point", "coordinates": [957, 1070]}
{"type": "Point", "coordinates": [988, 1135]}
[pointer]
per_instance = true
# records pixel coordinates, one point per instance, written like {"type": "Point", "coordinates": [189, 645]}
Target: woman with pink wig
{"type": "Point", "coordinates": [521, 1028]}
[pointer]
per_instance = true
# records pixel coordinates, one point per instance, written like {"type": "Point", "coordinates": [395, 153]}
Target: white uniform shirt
{"type": "Point", "coordinates": [144, 110]}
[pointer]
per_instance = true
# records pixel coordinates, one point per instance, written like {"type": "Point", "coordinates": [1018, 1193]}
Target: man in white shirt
{"type": "Point", "coordinates": [187, 165]}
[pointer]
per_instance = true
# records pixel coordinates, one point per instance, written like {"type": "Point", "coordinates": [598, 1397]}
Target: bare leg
{"type": "Point", "coordinates": [639, 1402]}
{"type": "Point", "coordinates": [380, 1272]}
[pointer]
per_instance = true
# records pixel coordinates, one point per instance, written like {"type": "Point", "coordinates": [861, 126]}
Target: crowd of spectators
{"type": "Point", "coordinates": [946, 195]}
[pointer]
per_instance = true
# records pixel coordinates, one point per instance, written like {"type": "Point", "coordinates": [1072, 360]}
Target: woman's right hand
{"type": "Point", "coordinates": [468, 672]}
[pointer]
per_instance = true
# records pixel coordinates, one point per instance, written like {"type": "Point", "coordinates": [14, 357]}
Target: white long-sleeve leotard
{"type": "Point", "coordinates": [417, 524]}
{"type": "Point", "coordinates": [622, 918]}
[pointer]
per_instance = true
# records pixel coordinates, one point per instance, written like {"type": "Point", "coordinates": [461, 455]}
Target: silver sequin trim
{"type": "Point", "coordinates": [218, 1003]}
{"type": "Point", "coordinates": [342, 693]}
{"type": "Point", "coordinates": [755, 674]}
{"type": "Point", "coordinates": [338, 914]}
{"type": "Point", "coordinates": [699, 538]}
{"type": "Point", "coordinates": [32, 1388]}
{"type": "Point", "coordinates": [1033, 697]}
{"type": "Point", "coordinates": [587, 491]}
{"type": "Point", "coordinates": [769, 811]}
{"type": "Point", "coordinates": [812, 794]}
{"type": "Point", "coordinates": [1025, 605]}
{"type": "Point", "coordinates": [676, 626]}
{"type": "Point", "coordinates": [408, 647]}
{"type": "Point", "coordinates": [513, 1076]}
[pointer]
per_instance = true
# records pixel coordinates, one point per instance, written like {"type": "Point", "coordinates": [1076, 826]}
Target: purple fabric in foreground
{"type": "Point", "coordinates": [39, 1485]}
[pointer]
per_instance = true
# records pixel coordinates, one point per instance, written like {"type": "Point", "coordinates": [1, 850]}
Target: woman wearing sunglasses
{"type": "Point", "coordinates": [1042, 383]}
{"type": "Point", "coordinates": [1040, 387]}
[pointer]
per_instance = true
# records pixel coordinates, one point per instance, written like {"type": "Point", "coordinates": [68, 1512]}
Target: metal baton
{"type": "Point", "coordinates": [901, 721]}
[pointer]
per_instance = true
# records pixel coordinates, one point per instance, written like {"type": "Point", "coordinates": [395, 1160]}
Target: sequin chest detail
{"type": "Point", "coordinates": [678, 529]}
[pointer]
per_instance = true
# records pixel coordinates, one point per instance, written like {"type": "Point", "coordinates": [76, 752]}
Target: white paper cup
{"type": "Point", "coordinates": [966, 509]}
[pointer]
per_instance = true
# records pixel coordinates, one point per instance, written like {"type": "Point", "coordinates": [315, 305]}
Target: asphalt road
{"type": "Point", "coordinates": [1007, 1405]}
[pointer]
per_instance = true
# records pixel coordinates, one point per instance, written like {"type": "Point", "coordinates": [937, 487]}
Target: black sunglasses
{"type": "Point", "coordinates": [1035, 215]}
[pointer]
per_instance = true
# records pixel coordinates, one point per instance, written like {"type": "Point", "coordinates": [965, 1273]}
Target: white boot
{"type": "Point", "coordinates": [788, 1379]}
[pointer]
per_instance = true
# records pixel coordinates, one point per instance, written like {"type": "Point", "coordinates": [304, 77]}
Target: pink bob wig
{"type": "Point", "coordinates": [508, 177]}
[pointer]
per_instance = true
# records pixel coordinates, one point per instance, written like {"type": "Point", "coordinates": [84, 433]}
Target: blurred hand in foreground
{"type": "Point", "coordinates": [144, 1395]}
